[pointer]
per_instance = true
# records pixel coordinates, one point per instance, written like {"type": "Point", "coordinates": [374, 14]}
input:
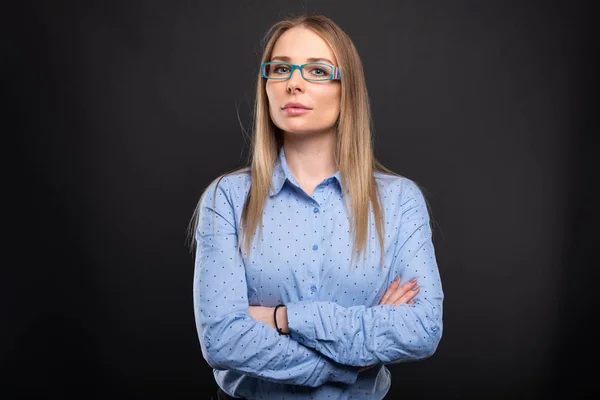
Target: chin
{"type": "Point", "coordinates": [298, 126]}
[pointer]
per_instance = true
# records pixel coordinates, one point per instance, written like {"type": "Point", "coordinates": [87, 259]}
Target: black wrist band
{"type": "Point", "coordinates": [275, 318]}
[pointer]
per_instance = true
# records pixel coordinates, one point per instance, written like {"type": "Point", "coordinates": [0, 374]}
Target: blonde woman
{"type": "Point", "coordinates": [315, 264]}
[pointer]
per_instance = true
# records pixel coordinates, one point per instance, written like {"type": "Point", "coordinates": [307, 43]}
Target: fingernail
{"type": "Point", "coordinates": [413, 279]}
{"type": "Point", "coordinates": [397, 278]}
{"type": "Point", "coordinates": [415, 288]}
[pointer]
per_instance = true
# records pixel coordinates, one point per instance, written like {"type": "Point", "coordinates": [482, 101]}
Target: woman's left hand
{"type": "Point", "coordinates": [262, 314]}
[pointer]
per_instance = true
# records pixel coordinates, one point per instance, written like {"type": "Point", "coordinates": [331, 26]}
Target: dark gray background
{"type": "Point", "coordinates": [116, 123]}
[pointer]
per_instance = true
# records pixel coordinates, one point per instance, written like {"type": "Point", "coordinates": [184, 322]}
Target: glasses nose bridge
{"type": "Point", "coordinates": [294, 68]}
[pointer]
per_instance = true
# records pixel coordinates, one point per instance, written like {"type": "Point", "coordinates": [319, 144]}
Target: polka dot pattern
{"type": "Point", "coordinates": [303, 260]}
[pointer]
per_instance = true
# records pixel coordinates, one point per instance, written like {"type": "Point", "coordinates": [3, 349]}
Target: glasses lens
{"type": "Point", "coordinates": [317, 72]}
{"type": "Point", "coordinates": [277, 71]}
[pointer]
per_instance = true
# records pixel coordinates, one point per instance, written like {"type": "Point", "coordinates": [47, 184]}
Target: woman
{"type": "Point", "coordinates": [300, 256]}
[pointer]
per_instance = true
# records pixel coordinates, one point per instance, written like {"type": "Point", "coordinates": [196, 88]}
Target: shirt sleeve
{"type": "Point", "coordinates": [383, 334]}
{"type": "Point", "coordinates": [230, 338]}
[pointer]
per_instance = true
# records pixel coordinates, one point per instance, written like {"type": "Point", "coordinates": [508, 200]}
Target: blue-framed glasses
{"type": "Point", "coordinates": [314, 72]}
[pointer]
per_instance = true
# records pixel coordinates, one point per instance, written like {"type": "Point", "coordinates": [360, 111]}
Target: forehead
{"type": "Point", "coordinates": [300, 43]}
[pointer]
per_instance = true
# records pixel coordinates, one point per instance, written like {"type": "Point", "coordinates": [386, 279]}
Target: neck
{"type": "Point", "coordinates": [310, 157]}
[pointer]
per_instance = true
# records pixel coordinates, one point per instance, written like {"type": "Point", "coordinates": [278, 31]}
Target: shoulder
{"type": "Point", "coordinates": [399, 192]}
{"type": "Point", "coordinates": [236, 181]}
{"type": "Point", "coordinates": [231, 185]}
{"type": "Point", "coordinates": [396, 185]}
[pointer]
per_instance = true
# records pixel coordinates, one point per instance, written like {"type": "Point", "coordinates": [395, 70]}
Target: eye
{"type": "Point", "coordinates": [281, 69]}
{"type": "Point", "coordinates": [319, 70]}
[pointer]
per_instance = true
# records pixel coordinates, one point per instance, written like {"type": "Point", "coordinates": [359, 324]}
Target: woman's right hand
{"type": "Point", "coordinates": [400, 295]}
{"type": "Point", "coordinates": [395, 295]}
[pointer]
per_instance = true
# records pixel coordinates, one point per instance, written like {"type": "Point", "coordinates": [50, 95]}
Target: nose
{"type": "Point", "coordinates": [296, 82]}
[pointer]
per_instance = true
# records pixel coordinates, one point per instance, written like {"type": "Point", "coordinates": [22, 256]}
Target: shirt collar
{"type": "Point", "coordinates": [281, 173]}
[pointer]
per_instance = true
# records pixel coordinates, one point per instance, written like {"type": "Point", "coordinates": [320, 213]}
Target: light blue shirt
{"type": "Point", "coordinates": [303, 261]}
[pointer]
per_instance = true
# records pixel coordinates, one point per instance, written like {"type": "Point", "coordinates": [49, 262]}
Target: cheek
{"type": "Point", "coordinates": [270, 97]}
{"type": "Point", "coordinates": [331, 101]}
{"type": "Point", "coordinates": [269, 92]}
{"type": "Point", "coordinates": [273, 95]}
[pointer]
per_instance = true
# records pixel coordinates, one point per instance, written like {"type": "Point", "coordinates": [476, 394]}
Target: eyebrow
{"type": "Point", "coordinates": [312, 59]}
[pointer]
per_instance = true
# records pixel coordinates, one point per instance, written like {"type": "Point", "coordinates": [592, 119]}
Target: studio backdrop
{"type": "Point", "coordinates": [123, 114]}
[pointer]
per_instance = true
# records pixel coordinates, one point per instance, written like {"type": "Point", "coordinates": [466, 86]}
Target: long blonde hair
{"type": "Point", "coordinates": [354, 154]}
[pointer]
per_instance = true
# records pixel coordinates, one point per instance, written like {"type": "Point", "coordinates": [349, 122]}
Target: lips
{"type": "Point", "coordinates": [292, 109]}
{"type": "Point", "coordinates": [295, 105]}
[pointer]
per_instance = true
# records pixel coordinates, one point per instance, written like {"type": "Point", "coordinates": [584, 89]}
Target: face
{"type": "Point", "coordinates": [322, 99]}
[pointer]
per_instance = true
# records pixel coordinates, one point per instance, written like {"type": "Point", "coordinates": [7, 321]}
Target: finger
{"type": "Point", "coordinates": [408, 296]}
{"type": "Point", "coordinates": [402, 290]}
{"type": "Point", "coordinates": [393, 286]}
{"type": "Point", "coordinates": [391, 289]}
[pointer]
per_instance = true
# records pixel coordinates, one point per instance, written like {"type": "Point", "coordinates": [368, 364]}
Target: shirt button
{"type": "Point", "coordinates": [315, 247]}
{"type": "Point", "coordinates": [313, 288]}
{"type": "Point", "coordinates": [315, 210]}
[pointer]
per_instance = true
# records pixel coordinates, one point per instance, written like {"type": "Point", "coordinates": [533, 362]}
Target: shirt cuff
{"type": "Point", "coordinates": [300, 322]}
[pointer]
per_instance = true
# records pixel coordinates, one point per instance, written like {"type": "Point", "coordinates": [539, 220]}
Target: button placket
{"type": "Point", "coordinates": [317, 234]}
